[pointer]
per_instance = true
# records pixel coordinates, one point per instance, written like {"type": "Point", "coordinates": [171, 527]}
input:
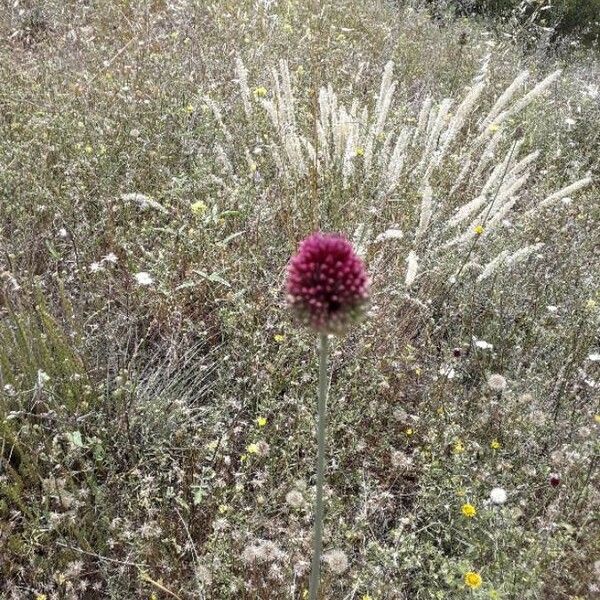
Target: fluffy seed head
{"type": "Point", "coordinates": [336, 560]}
{"type": "Point", "coordinates": [496, 382]}
{"type": "Point", "coordinates": [327, 283]}
{"type": "Point", "coordinates": [498, 495]}
{"type": "Point", "coordinates": [295, 499]}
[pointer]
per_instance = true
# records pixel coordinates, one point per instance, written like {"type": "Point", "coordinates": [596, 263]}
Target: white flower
{"type": "Point", "coordinates": [337, 561]}
{"type": "Point", "coordinates": [95, 267]}
{"type": "Point", "coordinates": [570, 121]}
{"type": "Point", "coordinates": [111, 257]}
{"type": "Point", "coordinates": [62, 232]}
{"type": "Point", "coordinates": [594, 356]}
{"type": "Point", "coordinates": [498, 495]}
{"type": "Point", "coordinates": [484, 345]}
{"type": "Point", "coordinates": [401, 460]}
{"type": "Point", "coordinates": [447, 371]}
{"type": "Point", "coordinates": [144, 278]}
{"type": "Point", "coordinates": [496, 382]}
{"type": "Point", "coordinates": [42, 378]}
{"type": "Point", "coordinates": [552, 309]}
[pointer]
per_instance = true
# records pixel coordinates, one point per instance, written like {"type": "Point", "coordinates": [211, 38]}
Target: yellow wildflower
{"type": "Point", "coordinates": [253, 449]}
{"type": "Point", "coordinates": [409, 431]}
{"type": "Point", "coordinates": [479, 229]}
{"type": "Point", "coordinates": [41, 597]}
{"type": "Point", "coordinates": [495, 445]}
{"type": "Point", "coordinates": [367, 597]}
{"type": "Point", "coordinates": [189, 109]}
{"type": "Point", "coordinates": [494, 127]}
{"type": "Point", "coordinates": [597, 419]}
{"type": "Point", "coordinates": [198, 208]}
{"type": "Point", "coordinates": [360, 151]}
{"type": "Point", "coordinates": [458, 447]}
{"type": "Point", "coordinates": [279, 338]}
{"type": "Point", "coordinates": [468, 510]}
{"type": "Point", "coordinates": [261, 421]}
{"type": "Point", "coordinates": [473, 580]}
{"type": "Point", "coordinates": [260, 92]}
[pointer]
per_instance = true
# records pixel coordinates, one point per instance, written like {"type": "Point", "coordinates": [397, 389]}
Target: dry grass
{"type": "Point", "coordinates": [158, 440]}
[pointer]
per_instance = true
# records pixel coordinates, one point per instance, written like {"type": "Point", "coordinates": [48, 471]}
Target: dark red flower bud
{"type": "Point", "coordinates": [327, 283]}
{"type": "Point", "coordinates": [554, 479]}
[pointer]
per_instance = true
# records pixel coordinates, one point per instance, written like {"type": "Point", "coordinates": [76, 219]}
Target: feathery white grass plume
{"type": "Point", "coordinates": [458, 120]}
{"type": "Point", "coordinates": [434, 134]}
{"type": "Point", "coordinates": [488, 154]}
{"type": "Point", "coordinates": [484, 69]}
{"type": "Point", "coordinates": [361, 239]}
{"type": "Point", "coordinates": [505, 98]}
{"type": "Point", "coordinates": [523, 253]}
{"type": "Point", "coordinates": [464, 211]}
{"type": "Point", "coordinates": [412, 268]}
{"type": "Point", "coordinates": [242, 78]}
{"type": "Point", "coordinates": [216, 111]}
{"type": "Point", "coordinates": [425, 212]}
{"type": "Point", "coordinates": [389, 234]}
{"type": "Point", "coordinates": [492, 266]}
{"type": "Point", "coordinates": [506, 259]}
{"type": "Point", "coordinates": [423, 119]}
{"type": "Point", "coordinates": [271, 111]}
{"type": "Point", "coordinates": [382, 107]}
{"type": "Point", "coordinates": [566, 191]}
{"type": "Point", "coordinates": [538, 90]}
{"type": "Point", "coordinates": [396, 162]}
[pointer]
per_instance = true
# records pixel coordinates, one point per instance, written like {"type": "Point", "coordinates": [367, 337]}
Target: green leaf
{"type": "Point", "coordinates": [75, 438]}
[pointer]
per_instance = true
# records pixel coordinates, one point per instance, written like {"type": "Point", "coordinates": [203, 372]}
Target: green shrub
{"type": "Point", "coordinates": [580, 18]}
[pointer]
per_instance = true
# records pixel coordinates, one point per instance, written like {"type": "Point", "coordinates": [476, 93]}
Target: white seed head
{"type": "Point", "coordinates": [498, 495]}
{"type": "Point", "coordinates": [295, 499]}
{"type": "Point", "coordinates": [496, 382]}
{"type": "Point", "coordinates": [336, 560]}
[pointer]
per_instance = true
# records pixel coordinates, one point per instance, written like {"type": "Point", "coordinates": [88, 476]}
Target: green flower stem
{"type": "Point", "coordinates": [322, 423]}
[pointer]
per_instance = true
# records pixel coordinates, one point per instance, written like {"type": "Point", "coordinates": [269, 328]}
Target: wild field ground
{"type": "Point", "coordinates": [159, 163]}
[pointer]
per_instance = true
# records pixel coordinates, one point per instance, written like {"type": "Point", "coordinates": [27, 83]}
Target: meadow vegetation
{"type": "Point", "coordinates": [159, 163]}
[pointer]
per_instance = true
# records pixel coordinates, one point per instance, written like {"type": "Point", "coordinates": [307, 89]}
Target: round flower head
{"type": "Point", "coordinates": [327, 283]}
{"type": "Point", "coordinates": [496, 382]}
{"type": "Point", "coordinates": [498, 495]}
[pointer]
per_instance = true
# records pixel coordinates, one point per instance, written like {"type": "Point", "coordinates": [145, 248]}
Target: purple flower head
{"type": "Point", "coordinates": [327, 283]}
